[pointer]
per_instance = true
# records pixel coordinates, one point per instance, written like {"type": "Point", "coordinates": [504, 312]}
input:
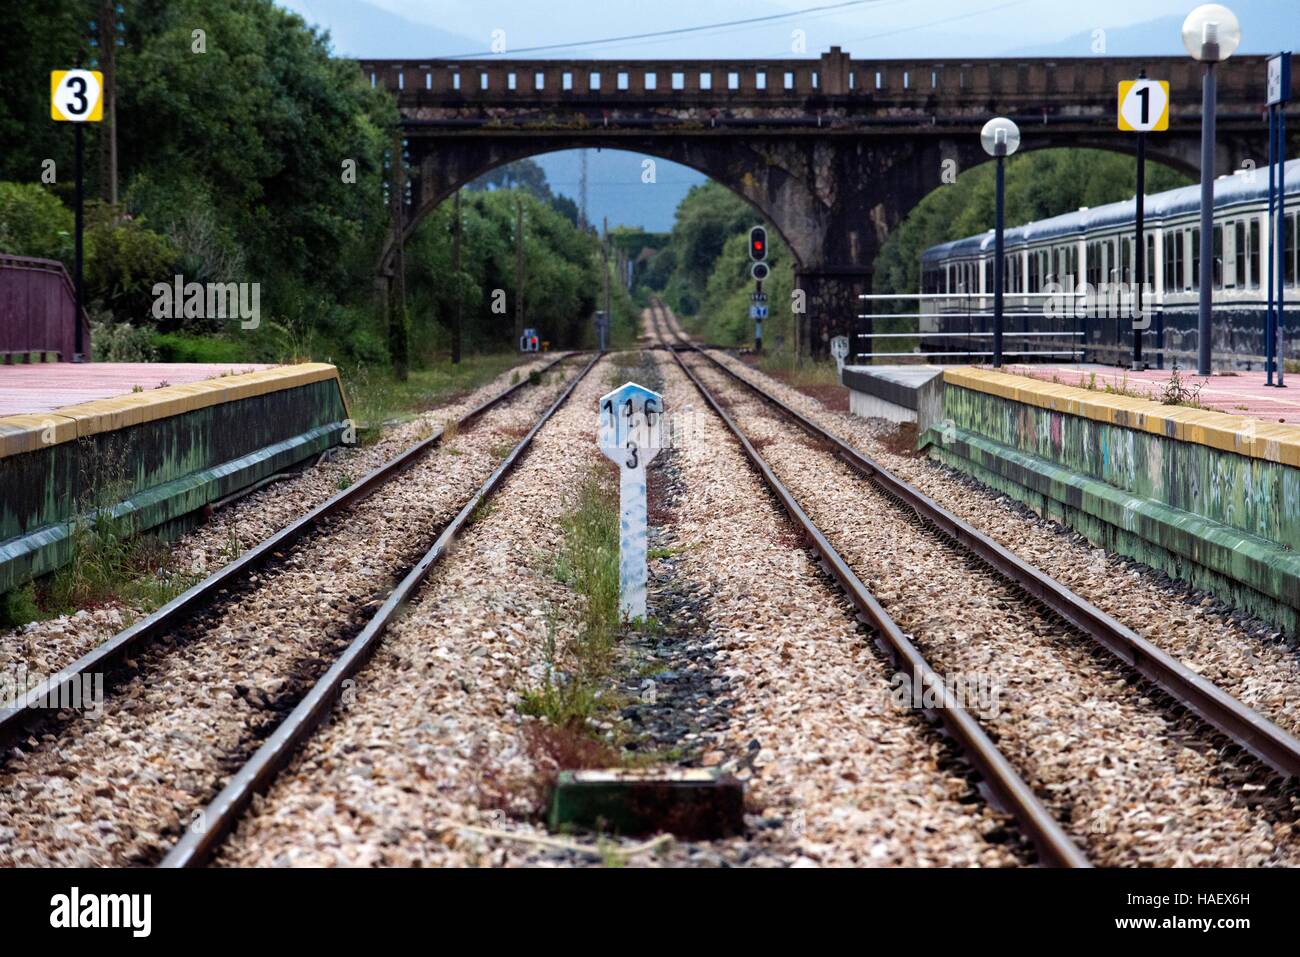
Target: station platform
{"type": "Point", "coordinates": [149, 444]}
{"type": "Point", "coordinates": [1236, 393]}
{"type": "Point", "coordinates": [43, 387]}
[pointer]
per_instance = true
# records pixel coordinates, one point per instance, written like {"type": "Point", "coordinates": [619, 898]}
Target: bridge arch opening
{"type": "Point", "coordinates": [438, 187]}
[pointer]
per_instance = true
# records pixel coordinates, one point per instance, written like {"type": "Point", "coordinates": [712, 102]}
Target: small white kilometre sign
{"type": "Point", "coordinates": [840, 350]}
{"type": "Point", "coordinates": [631, 420]}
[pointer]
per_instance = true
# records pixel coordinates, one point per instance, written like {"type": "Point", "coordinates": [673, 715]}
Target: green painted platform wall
{"type": "Point", "coordinates": [1226, 522]}
{"type": "Point", "coordinates": [155, 474]}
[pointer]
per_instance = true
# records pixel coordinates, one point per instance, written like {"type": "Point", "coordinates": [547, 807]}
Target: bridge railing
{"type": "Point", "coordinates": [1082, 79]}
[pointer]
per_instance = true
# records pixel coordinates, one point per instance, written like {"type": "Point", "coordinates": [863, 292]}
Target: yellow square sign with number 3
{"type": "Point", "coordinates": [1143, 106]}
{"type": "Point", "coordinates": [76, 96]}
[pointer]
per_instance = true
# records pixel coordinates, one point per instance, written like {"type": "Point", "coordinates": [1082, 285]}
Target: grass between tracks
{"type": "Point", "coordinates": [587, 563]}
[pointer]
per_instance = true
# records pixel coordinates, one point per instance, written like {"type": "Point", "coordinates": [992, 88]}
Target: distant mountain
{"type": "Point", "coordinates": [1265, 28]}
{"type": "Point", "coordinates": [615, 188]}
{"type": "Point", "coordinates": [358, 29]}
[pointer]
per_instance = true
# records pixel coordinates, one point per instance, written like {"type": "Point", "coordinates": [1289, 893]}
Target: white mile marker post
{"type": "Point", "coordinates": [629, 435]}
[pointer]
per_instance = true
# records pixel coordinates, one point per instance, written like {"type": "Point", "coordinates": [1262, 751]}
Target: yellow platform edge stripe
{"type": "Point", "coordinates": [1242, 434]}
{"type": "Point", "coordinates": [31, 431]}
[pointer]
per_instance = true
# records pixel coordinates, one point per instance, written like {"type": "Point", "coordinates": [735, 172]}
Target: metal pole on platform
{"type": "Point", "coordinates": [1000, 138]}
{"type": "Point", "coordinates": [1280, 324]}
{"type": "Point", "coordinates": [1211, 34]}
{"type": "Point", "coordinates": [1270, 318]}
{"type": "Point", "coordinates": [999, 252]}
{"type": "Point", "coordinates": [1205, 312]}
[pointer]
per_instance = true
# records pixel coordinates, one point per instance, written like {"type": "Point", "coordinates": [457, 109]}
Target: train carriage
{"type": "Point", "coordinates": [1069, 280]}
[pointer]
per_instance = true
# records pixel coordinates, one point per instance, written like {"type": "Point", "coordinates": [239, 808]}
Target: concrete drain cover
{"type": "Point", "coordinates": [692, 804]}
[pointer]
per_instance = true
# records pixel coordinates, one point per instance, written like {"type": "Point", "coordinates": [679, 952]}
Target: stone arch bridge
{"type": "Point", "coordinates": [832, 151]}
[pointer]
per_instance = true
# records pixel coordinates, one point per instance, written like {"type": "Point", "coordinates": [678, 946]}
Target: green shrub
{"type": "Point", "coordinates": [34, 223]}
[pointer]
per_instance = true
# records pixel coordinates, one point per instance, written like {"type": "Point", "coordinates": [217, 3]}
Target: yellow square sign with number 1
{"type": "Point", "coordinates": [76, 96]}
{"type": "Point", "coordinates": [1144, 106]}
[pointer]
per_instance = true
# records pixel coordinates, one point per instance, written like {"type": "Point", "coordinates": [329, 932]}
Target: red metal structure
{"type": "Point", "coordinates": [38, 312]}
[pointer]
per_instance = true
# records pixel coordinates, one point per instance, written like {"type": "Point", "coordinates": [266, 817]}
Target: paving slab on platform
{"type": "Point", "coordinates": [43, 387]}
{"type": "Point", "coordinates": [1241, 393]}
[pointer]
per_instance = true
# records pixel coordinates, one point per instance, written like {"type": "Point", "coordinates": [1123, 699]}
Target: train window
{"type": "Point", "coordinates": [1196, 259]}
{"type": "Point", "coordinates": [1126, 259]}
{"type": "Point", "coordinates": [1218, 257]}
{"type": "Point", "coordinates": [1149, 267]}
{"type": "Point", "coordinates": [1172, 239]}
{"type": "Point", "coordinates": [511, 80]}
{"type": "Point", "coordinates": [1292, 238]}
{"type": "Point", "coordinates": [1254, 277]}
{"type": "Point", "coordinates": [1240, 254]}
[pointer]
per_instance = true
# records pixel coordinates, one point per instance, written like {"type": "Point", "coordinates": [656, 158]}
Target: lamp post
{"type": "Point", "coordinates": [1000, 138]}
{"type": "Point", "coordinates": [1211, 34]}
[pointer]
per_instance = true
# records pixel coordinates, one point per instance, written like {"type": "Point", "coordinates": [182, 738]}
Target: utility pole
{"type": "Point", "coordinates": [582, 192]}
{"type": "Point", "coordinates": [455, 268]}
{"type": "Point", "coordinates": [397, 344]}
{"type": "Point", "coordinates": [519, 267]}
{"type": "Point", "coordinates": [108, 66]}
{"type": "Point", "coordinates": [608, 316]}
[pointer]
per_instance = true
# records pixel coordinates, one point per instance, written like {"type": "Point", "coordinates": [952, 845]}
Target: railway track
{"type": "Point", "coordinates": [1009, 791]}
{"type": "Point", "coordinates": [215, 615]}
{"type": "Point", "coordinates": [1026, 593]}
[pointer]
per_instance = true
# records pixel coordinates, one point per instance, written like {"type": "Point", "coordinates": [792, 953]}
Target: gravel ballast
{"type": "Point", "coordinates": [113, 788]}
{"type": "Point", "coordinates": [1131, 780]}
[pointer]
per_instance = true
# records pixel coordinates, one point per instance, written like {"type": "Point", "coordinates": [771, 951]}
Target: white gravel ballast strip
{"type": "Point", "coordinates": [110, 788]}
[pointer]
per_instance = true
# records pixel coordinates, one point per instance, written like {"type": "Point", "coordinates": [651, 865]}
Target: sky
{"type": "Point", "coordinates": [868, 28]}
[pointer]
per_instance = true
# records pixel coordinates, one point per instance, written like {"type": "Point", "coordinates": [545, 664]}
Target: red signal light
{"type": "Point", "coordinates": [758, 243]}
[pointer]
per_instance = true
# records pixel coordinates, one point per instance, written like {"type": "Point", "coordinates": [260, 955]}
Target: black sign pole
{"type": "Point", "coordinates": [1139, 253]}
{"type": "Point", "coordinates": [79, 345]}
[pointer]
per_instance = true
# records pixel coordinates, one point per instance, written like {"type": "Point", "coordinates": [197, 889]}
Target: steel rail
{"type": "Point", "coordinates": [197, 845]}
{"type": "Point", "coordinates": [64, 685]}
{"type": "Point", "coordinates": [1248, 728]}
{"type": "Point", "coordinates": [1040, 825]}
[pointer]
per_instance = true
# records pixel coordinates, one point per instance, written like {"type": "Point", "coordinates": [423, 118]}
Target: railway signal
{"type": "Point", "coordinates": [759, 270]}
{"type": "Point", "coordinates": [77, 97]}
{"type": "Point", "coordinates": [758, 244]}
{"type": "Point", "coordinates": [1143, 108]}
{"type": "Point", "coordinates": [629, 436]}
{"type": "Point", "coordinates": [529, 341]}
